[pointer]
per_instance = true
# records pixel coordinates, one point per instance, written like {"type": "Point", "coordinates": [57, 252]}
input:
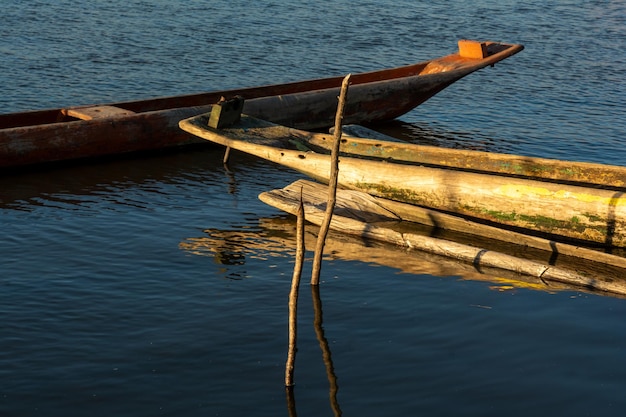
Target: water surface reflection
{"type": "Point", "coordinates": [275, 237]}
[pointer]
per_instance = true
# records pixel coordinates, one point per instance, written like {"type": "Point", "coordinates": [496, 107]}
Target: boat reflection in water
{"type": "Point", "coordinates": [275, 237]}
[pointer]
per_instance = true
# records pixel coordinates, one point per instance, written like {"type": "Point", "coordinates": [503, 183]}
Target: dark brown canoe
{"type": "Point", "coordinates": [79, 132]}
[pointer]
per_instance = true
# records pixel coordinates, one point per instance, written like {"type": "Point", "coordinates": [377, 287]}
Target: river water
{"type": "Point", "coordinates": [158, 285]}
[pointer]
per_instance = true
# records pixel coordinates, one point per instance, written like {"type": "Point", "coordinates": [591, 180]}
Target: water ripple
{"type": "Point", "coordinates": [158, 286]}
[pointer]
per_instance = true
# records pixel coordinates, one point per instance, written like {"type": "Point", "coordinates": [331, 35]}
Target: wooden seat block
{"type": "Point", "coordinates": [226, 112]}
{"type": "Point", "coordinates": [472, 49]}
{"type": "Point", "coordinates": [97, 112]}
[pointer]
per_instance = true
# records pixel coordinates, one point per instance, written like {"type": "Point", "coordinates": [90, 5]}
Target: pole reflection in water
{"type": "Point", "coordinates": [326, 355]}
{"type": "Point", "coordinates": [333, 388]}
{"type": "Point", "coordinates": [275, 238]}
{"type": "Point", "coordinates": [291, 401]}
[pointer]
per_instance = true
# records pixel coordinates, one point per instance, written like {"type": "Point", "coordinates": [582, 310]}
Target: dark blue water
{"type": "Point", "coordinates": [158, 286]}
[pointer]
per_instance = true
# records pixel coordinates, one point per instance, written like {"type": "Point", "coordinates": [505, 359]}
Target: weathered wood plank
{"type": "Point", "coordinates": [97, 112]}
{"type": "Point", "coordinates": [287, 199]}
{"type": "Point", "coordinates": [370, 209]}
{"type": "Point", "coordinates": [445, 221]}
{"type": "Point", "coordinates": [226, 112]}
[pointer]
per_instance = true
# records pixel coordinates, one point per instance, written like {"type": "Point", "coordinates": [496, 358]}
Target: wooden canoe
{"type": "Point", "coordinates": [89, 131]}
{"type": "Point", "coordinates": [559, 204]}
{"type": "Point", "coordinates": [360, 214]}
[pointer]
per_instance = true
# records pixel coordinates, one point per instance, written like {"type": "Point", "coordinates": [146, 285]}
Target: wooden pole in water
{"type": "Point", "coordinates": [293, 297]}
{"type": "Point", "coordinates": [332, 184]}
{"type": "Point", "coordinates": [226, 156]}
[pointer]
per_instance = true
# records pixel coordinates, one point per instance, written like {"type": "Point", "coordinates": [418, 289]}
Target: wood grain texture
{"type": "Point", "coordinates": [575, 212]}
{"type": "Point", "coordinates": [97, 112]}
{"type": "Point", "coordinates": [287, 199]}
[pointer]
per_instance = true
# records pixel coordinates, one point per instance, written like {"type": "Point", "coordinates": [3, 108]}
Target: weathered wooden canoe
{"type": "Point", "coordinates": [571, 203]}
{"type": "Point", "coordinates": [88, 131]}
{"type": "Point", "coordinates": [275, 236]}
{"type": "Point", "coordinates": [360, 214]}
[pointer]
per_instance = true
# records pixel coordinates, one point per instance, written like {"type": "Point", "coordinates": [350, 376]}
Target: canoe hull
{"type": "Point", "coordinates": [375, 102]}
{"type": "Point", "coordinates": [89, 138]}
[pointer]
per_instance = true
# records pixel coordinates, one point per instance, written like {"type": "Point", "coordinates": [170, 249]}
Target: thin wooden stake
{"type": "Point", "coordinates": [226, 156]}
{"type": "Point", "coordinates": [293, 296]}
{"type": "Point", "coordinates": [332, 184]}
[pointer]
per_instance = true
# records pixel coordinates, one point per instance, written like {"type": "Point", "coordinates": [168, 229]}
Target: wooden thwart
{"type": "Point", "coordinates": [97, 112]}
{"type": "Point", "coordinates": [226, 112]}
{"type": "Point", "coordinates": [354, 206]}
